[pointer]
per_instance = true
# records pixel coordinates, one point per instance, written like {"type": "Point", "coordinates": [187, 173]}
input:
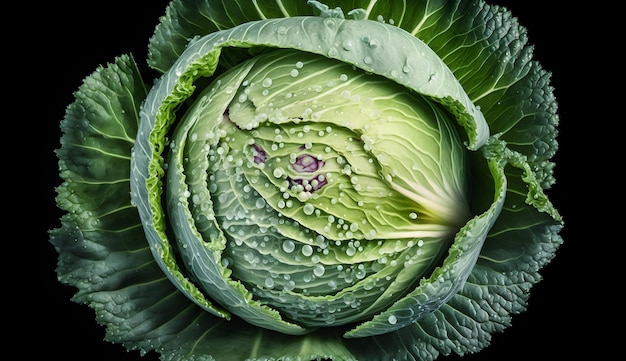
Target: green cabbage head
{"type": "Point", "coordinates": [349, 180]}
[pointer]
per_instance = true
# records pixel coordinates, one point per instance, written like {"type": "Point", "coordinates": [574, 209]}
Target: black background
{"type": "Point", "coordinates": [72, 39]}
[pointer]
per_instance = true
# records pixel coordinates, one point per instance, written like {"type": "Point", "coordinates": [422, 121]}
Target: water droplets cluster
{"type": "Point", "coordinates": [264, 181]}
{"type": "Point", "coordinates": [259, 250]}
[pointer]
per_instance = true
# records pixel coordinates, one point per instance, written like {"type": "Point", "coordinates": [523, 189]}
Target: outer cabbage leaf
{"type": "Point", "coordinates": [185, 20]}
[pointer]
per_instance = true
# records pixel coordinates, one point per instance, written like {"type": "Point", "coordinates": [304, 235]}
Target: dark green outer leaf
{"type": "Point", "coordinates": [488, 51]}
{"type": "Point", "coordinates": [101, 245]}
{"type": "Point", "coordinates": [185, 20]}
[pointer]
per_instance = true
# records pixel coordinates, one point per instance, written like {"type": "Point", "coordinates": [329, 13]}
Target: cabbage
{"type": "Point", "coordinates": [347, 180]}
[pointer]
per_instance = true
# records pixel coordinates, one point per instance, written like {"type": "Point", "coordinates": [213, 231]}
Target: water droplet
{"type": "Point", "coordinates": [319, 270]}
{"type": "Point", "coordinates": [392, 320]}
{"type": "Point", "coordinates": [349, 299]}
{"type": "Point", "coordinates": [278, 172]}
{"type": "Point", "coordinates": [308, 209]}
{"type": "Point", "coordinates": [260, 203]}
{"type": "Point", "coordinates": [289, 246]}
